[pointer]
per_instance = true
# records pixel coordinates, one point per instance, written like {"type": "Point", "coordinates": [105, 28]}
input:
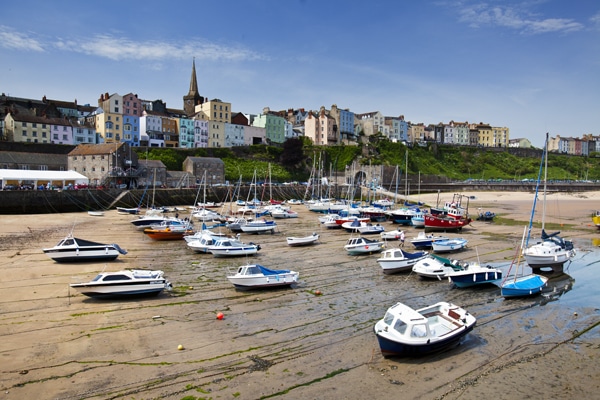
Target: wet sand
{"type": "Point", "coordinates": [286, 343]}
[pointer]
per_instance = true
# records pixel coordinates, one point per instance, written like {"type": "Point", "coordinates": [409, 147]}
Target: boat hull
{"type": "Point", "coordinates": [261, 282]}
{"type": "Point", "coordinates": [437, 223]}
{"type": "Point", "coordinates": [390, 348]}
{"type": "Point", "coordinates": [114, 291]}
{"type": "Point", "coordinates": [524, 286]}
{"type": "Point", "coordinates": [466, 279]}
{"type": "Point", "coordinates": [79, 255]}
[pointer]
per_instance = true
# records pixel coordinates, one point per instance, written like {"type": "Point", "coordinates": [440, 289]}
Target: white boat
{"type": "Point", "coordinates": [232, 248]}
{"type": "Point", "coordinates": [418, 220]}
{"type": "Point", "coordinates": [128, 211]}
{"type": "Point", "coordinates": [72, 249]}
{"type": "Point", "coordinates": [398, 260]}
{"type": "Point", "coordinates": [391, 235]}
{"type": "Point", "coordinates": [302, 241]}
{"type": "Point", "coordinates": [370, 229]}
{"type": "Point", "coordinates": [146, 221]}
{"type": "Point", "coordinates": [283, 213]}
{"type": "Point", "coordinates": [235, 224]}
{"type": "Point", "coordinates": [404, 331]}
{"type": "Point", "coordinates": [255, 276]}
{"type": "Point", "coordinates": [134, 282]}
{"type": "Point", "coordinates": [96, 213]}
{"type": "Point", "coordinates": [352, 224]}
{"type": "Point", "coordinates": [435, 267]}
{"type": "Point", "coordinates": [361, 245]}
{"type": "Point", "coordinates": [259, 226]}
{"type": "Point", "coordinates": [200, 243]}
{"type": "Point", "coordinates": [448, 245]}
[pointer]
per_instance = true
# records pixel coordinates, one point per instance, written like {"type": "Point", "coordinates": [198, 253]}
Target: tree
{"type": "Point", "coordinates": [292, 154]}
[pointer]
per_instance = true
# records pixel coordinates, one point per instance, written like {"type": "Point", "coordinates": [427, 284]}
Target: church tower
{"type": "Point", "coordinates": [193, 98]}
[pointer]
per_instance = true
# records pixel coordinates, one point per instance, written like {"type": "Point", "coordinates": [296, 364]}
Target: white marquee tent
{"type": "Point", "coordinates": [36, 178]}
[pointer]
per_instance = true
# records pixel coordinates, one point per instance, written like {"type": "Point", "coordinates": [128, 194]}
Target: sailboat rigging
{"type": "Point", "coordinates": [553, 251]}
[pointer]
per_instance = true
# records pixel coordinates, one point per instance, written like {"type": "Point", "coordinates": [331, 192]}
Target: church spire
{"type": "Point", "coordinates": [193, 81]}
{"type": "Point", "coordinates": [193, 98]}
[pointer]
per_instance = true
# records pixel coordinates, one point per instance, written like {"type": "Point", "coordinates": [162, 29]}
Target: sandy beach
{"type": "Point", "coordinates": [291, 343]}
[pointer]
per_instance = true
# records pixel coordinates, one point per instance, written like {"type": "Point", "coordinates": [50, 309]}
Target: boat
{"type": "Point", "coordinates": [128, 211]}
{"type": "Point", "coordinates": [361, 245]}
{"type": "Point", "coordinates": [302, 241]}
{"type": "Point", "coordinates": [485, 215]}
{"type": "Point", "coordinates": [132, 282]}
{"type": "Point", "coordinates": [452, 217]}
{"type": "Point", "coordinates": [596, 219]}
{"type": "Point", "coordinates": [152, 217]}
{"type": "Point", "coordinates": [370, 229]}
{"type": "Point", "coordinates": [436, 267]}
{"type": "Point", "coordinates": [235, 224]}
{"type": "Point", "coordinates": [552, 251]}
{"type": "Point", "coordinates": [96, 213]}
{"type": "Point", "coordinates": [425, 241]}
{"type": "Point", "coordinates": [402, 216]}
{"type": "Point", "coordinates": [255, 276]}
{"type": "Point", "coordinates": [72, 249]}
{"type": "Point", "coordinates": [391, 235]}
{"type": "Point", "coordinates": [448, 245]}
{"type": "Point", "coordinates": [418, 220]}
{"type": "Point", "coordinates": [232, 248]}
{"type": "Point", "coordinates": [521, 285]}
{"type": "Point", "coordinates": [284, 213]}
{"type": "Point", "coordinates": [398, 260]}
{"type": "Point", "coordinates": [473, 274]}
{"type": "Point", "coordinates": [259, 226]}
{"type": "Point", "coordinates": [404, 331]}
{"type": "Point", "coordinates": [200, 243]}
{"type": "Point", "coordinates": [168, 231]}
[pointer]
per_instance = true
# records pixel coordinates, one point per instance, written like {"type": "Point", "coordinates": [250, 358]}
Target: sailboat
{"type": "Point", "coordinates": [257, 225]}
{"type": "Point", "coordinates": [553, 251]}
{"type": "Point", "coordinates": [522, 285]}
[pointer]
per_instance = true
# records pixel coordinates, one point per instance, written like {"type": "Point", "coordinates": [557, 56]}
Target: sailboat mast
{"type": "Point", "coordinates": [545, 181]}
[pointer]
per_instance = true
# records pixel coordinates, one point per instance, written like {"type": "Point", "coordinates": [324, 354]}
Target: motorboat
{"type": "Point", "coordinates": [175, 232]}
{"type": "Point", "coordinates": [255, 276]}
{"type": "Point", "coordinates": [235, 224]}
{"type": "Point", "coordinates": [449, 245]}
{"type": "Point", "coordinates": [391, 235]}
{"type": "Point", "coordinates": [552, 251]}
{"type": "Point", "coordinates": [152, 217]}
{"type": "Point", "coordinates": [302, 241]}
{"type": "Point", "coordinates": [360, 245]}
{"type": "Point", "coordinates": [398, 260]}
{"type": "Point", "coordinates": [425, 241]}
{"type": "Point", "coordinates": [232, 248]}
{"type": "Point", "coordinates": [96, 213]}
{"type": "Point", "coordinates": [370, 229]}
{"type": "Point", "coordinates": [132, 282]}
{"type": "Point", "coordinates": [259, 226]}
{"type": "Point", "coordinates": [404, 331]}
{"type": "Point", "coordinates": [402, 216]}
{"type": "Point", "coordinates": [201, 241]}
{"type": "Point", "coordinates": [128, 211]}
{"type": "Point", "coordinates": [282, 213]}
{"type": "Point", "coordinates": [435, 267]}
{"type": "Point", "coordinates": [72, 249]}
{"type": "Point", "coordinates": [418, 220]}
{"type": "Point", "coordinates": [474, 274]}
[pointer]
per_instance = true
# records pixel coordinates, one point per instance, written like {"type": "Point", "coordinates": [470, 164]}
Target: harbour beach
{"type": "Point", "coordinates": [314, 340]}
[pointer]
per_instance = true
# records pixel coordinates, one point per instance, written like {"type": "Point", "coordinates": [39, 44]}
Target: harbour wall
{"type": "Point", "coordinates": [54, 201]}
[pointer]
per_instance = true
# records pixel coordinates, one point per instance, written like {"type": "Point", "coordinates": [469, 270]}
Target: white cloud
{"type": "Point", "coordinates": [11, 39]}
{"type": "Point", "coordinates": [479, 15]}
{"type": "Point", "coordinates": [121, 48]}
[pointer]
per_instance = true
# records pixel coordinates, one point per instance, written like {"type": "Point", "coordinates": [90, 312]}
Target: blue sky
{"type": "Point", "coordinates": [530, 65]}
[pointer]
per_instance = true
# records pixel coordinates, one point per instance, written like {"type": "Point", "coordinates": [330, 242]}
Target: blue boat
{"type": "Point", "coordinates": [528, 285]}
{"type": "Point", "coordinates": [474, 274]}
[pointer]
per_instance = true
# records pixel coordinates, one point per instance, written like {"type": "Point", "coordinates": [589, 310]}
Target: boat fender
{"type": "Point", "coordinates": [428, 341]}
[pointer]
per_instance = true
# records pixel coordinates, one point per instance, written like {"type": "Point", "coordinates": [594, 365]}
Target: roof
{"type": "Point", "coordinates": [95, 149]}
{"type": "Point", "coordinates": [32, 175]}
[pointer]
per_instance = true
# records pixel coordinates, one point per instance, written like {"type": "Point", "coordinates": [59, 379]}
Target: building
{"type": "Point", "coordinates": [110, 164]}
{"type": "Point", "coordinates": [212, 168]}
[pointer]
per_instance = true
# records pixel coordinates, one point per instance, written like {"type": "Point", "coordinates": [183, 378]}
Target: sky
{"type": "Point", "coordinates": [530, 65]}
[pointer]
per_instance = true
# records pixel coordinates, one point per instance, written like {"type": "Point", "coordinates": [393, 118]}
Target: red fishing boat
{"type": "Point", "coordinates": [452, 217]}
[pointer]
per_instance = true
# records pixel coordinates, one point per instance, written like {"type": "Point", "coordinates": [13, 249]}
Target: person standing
{"type": "Point", "coordinates": [401, 238]}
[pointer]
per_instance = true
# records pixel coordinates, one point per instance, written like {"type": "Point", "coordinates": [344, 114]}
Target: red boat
{"type": "Point", "coordinates": [452, 217]}
{"type": "Point", "coordinates": [168, 233]}
{"type": "Point", "coordinates": [443, 222]}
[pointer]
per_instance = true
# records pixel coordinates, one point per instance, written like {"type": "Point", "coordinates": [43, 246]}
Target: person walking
{"type": "Point", "coordinates": [401, 238]}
